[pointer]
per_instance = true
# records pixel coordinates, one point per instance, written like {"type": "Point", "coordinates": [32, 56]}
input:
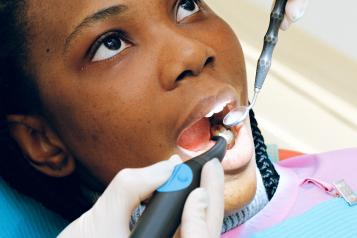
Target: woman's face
{"type": "Point", "coordinates": [121, 80]}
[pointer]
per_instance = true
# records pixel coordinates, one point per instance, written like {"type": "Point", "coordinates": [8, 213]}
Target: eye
{"type": "Point", "coordinates": [108, 46]}
{"type": "Point", "coordinates": [186, 8]}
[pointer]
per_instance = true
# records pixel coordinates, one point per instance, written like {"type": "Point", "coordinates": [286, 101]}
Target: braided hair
{"type": "Point", "coordinates": [269, 175]}
{"type": "Point", "coordinates": [19, 95]}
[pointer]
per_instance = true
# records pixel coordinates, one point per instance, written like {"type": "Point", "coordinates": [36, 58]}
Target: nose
{"type": "Point", "coordinates": [183, 57]}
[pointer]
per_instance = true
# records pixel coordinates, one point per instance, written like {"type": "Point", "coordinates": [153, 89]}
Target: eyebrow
{"type": "Point", "coordinates": [99, 16]}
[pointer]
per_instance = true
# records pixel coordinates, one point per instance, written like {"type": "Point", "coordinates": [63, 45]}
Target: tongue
{"type": "Point", "coordinates": [196, 137]}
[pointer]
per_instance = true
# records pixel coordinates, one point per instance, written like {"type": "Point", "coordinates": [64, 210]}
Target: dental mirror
{"type": "Point", "coordinates": [239, 114]}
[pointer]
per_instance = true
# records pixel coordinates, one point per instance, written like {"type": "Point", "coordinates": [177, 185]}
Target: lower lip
{"type": "Point", "coordinates": [237, 157]}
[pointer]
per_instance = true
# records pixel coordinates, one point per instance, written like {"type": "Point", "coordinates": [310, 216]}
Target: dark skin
{"type": "Point", "coordinates": [126, 110]}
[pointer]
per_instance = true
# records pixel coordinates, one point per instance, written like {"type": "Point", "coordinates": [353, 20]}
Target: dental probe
{"type": "Point", "coordinates": [239, 114]}
{"type": "Point", "coordinates": [163, 214]}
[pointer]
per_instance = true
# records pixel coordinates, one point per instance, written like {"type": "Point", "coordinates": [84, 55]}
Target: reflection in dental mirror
{"type": "Point", "coordinates": [236, 116]}
{"type": "Point", "coordinates": [240, 113]}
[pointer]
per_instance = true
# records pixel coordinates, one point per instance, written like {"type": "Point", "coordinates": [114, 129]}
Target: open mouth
{"type": "Point", "coordinates": [197, 137]}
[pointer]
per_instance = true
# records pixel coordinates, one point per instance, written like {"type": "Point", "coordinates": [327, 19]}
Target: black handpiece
{"type": "Point", "coordinates": [163, 214]}
{"type": "Point", "coordinates": [270, 41]}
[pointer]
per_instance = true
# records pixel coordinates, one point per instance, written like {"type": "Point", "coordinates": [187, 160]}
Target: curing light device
{"type": "Point", "coordinates": [163, 214]}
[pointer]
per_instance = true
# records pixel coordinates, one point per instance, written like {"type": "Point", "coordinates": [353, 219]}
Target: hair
{"type": "Point", "coordinates": [269, 175]}
{"type": "Point", "coordinates": [19, 95]}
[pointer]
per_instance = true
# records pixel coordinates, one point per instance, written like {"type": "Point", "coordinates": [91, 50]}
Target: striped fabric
{"type": "Point", "coordinates": [333, 218]}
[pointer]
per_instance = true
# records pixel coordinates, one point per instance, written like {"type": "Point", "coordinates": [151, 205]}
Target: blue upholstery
{"type": "Point", "coordinates": [21, 216]}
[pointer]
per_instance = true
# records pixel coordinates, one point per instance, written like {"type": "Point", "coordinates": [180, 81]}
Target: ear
{"type": "Point", "coordinates": [41, 145]}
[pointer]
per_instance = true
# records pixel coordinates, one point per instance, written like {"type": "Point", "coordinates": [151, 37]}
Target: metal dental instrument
{"type": "Point", "coordinates": [239, 114]}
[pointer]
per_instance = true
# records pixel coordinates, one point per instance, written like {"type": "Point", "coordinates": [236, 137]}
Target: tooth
{"type": "Point", "coordinates": [218, 108]}
{"type": "Point", "coordinates": [219, 130]}
{"type": "Point", "coordinates": [209, 114]}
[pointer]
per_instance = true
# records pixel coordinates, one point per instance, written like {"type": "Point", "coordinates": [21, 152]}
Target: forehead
{"type": "Point", "coordinates": [54, 11]}
{"type": "Point", "coordinates": [54, 17]}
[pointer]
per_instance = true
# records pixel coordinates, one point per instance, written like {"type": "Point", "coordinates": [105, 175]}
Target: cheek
{"type": "Point", "coordinates": [107, 125]}
{"type": "Point", "coordinates": [230, 58]}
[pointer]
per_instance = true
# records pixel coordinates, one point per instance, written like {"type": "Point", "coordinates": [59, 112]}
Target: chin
{"type": "Point", "coordinates": [240, 187]}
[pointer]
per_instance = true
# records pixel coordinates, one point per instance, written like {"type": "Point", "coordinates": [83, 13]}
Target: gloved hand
{"type": "Point", "coordinates": [294, 10]}
{"type": "Point", "coordinates": [110, 215]}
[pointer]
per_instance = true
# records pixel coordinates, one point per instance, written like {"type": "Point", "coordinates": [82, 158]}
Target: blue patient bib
{"type": "Point", "coordinates": [330, 219]}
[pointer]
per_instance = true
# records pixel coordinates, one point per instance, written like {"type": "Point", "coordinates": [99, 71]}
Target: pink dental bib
{"type": "Point", "coordinates": [295, 196]}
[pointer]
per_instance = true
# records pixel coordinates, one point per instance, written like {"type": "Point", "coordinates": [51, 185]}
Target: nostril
{"type": "Point", "coordinates": [184, 74]}
{"type": "Point", "coordinates": [190, 73]}
{"type": "Point", "coordinates": [209, 61]}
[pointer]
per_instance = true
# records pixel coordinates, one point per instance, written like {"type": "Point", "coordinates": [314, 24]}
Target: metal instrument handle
{"type": "Point", "coordinates": [270, 41]}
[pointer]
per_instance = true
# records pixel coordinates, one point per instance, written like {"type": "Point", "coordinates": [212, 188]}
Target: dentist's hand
{"type": "Point", "coordinates": [110, 215]}
{"type": "Point", "coordinates": [294, 10]}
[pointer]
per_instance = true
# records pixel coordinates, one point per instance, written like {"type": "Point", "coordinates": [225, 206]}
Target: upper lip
{"type": "Point", "coordinates": [206, 104]}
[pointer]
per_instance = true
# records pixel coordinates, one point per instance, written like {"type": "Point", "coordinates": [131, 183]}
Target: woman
{"type": "Point", "coordinates": [90, 88]}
